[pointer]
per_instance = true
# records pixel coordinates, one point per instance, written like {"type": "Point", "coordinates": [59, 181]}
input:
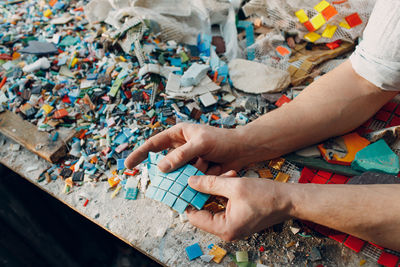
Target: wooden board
{"type": "Point", "coordinates": [27, 135]}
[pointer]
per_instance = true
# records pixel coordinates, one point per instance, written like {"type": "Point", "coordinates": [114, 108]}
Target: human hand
{"type": "Point", "coordinates": [253, 205]}
{"type": "Point", "coordinates": [224, 148]}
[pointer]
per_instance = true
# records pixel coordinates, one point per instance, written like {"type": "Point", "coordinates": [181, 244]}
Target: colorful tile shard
{"type": "Point", "coordinates": [172, 188]}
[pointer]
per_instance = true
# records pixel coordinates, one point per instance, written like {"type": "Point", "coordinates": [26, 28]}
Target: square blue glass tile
{"type": "Point", "coordinates": [183, 179]}
{"type": "Point", "coordinates": [199, 200]}
{"type": "Point", "coordinates": [131, 193]}
{"type": "Point", "coordinates": [176, 189]}
{"type": "Point", "coordinates": [193, 251]}
{"type": "Point", "coordinates": [190, 170]}
{"type": "Point", "coordinates": [166, 184]}
{"type": "Point", "coordinates": [159, 195]}
{"type": "Point", "coordinates": [120, 164]}
{"type": "Point", "coordinates": [150, 192]}
{"type": "Point", "coordinates": [156, 181]}
{"type": "Point", "coordinates": [169, 199]}
{"type": "Point", "coordinates": [188, 194]}
{"type": "Point", "coordinates": [172, 175]}
{"type": "Point", "coordinates": [180, 205]}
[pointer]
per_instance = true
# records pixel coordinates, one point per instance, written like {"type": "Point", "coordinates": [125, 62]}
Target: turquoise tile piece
{"type": "Point", "coordinates": [169, 199]}
{"type": "Point", "coordinates": [172, 188]}
{"type": "Point", "coordinates": [159, 195]}
{"type": "Point", "coordinates": [180, 205]}
{"type": "Point", "coordinates": [176, 189]}
{"type": "Point", "coordinates": [183, 179]}
{"type": "Point", "coordinates": [166, 184]}
{"type": "Point", "coordinates": [150, 192]}
{"type": "Point", "coordinates": [131, 193]}
{"type": "Point", "coordinates": [188, 194]}
{"type": "Point", "coordinates": [193, 251]}
{"type": "Point", "coordinates": [190, 170]}
{"type": "Point", "coordinates": [199, 200]}
{"type": "Point", "coordinates": [377, 157]}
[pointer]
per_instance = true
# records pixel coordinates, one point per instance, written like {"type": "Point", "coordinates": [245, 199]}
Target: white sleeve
{"type": "Point", "coordinates": [377, 57]}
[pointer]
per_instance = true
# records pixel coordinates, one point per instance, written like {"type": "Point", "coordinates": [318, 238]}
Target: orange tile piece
{"type": "Point", "coordinates": [113, 181]}
{"type": "Point", "coordinates": [353, 20]}
{"type": "Point", "coordinates": [61, 113]}
{"type": "Point", "coordinates": [329, 12]}
{"type": "Point", "coordinates": [309, 26]}
{"type": "Point", "coordinates": [283, 51]}
{"type": "Point", "coordinates": [53, 2]}
{"type": "Point", "coordinates": [353, 143]}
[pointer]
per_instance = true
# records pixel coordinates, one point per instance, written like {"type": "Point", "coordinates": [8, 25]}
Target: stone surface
{"type": "Point", "coordinates": [257, 78]}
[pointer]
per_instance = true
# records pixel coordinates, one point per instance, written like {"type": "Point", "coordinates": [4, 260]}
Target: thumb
{"type": "Point", "coordinates": [214, 185]}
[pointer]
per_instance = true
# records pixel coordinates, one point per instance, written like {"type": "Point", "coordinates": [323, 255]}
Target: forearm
{"type": "Point", "coordinates": [370, 212]}
{"type": "Point", "coordinates": [336, 103]}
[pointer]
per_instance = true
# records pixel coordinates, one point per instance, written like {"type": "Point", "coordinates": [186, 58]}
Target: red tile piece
{"type": "Point", "coordinates": [382, 115]}
{"type": "Point", "coordinates": [284, 99]}
{"type": "Point", "coordinates": [306, 175]}
{"type": "Point", "coordinates": [353, 20]}
{"type": "Point", "coordinates": [309, 26]}
{"type": "Point", "coordinates": [338, 236]}
{"type": "Point", "coordinates": [324, 174]}
{"type": "Point", "coordinates": [390, 106]}
{"type": "Point", "coordinates": [388, 260]}
{"type": "Point", "coordinates": [394, 121]}
{"type": "Point", "coordinates": [339, 179]}
{"type": "Point", "coordinates": [319, 180]}
{"type": "Point", "coordinates": [354, 243]}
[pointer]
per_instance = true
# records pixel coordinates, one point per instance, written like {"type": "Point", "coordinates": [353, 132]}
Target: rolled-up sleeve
{"type": "Point", "coordinates": [377, 57]}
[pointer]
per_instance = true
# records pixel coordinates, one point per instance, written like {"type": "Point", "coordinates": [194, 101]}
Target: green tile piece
{"type": "Point", "coordinates": [242, 256]}
{"type": "Point", "coordinates": [377, 157]}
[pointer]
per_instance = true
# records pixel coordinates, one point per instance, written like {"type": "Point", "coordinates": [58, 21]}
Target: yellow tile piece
{"type": "Point", "coordinates": [74, 62]}
{"type": "Point", "coordinates": [329, 31]}
{"type": "Point", "coordinates": [312, 37]}
{"type": "Point", "coordinates": [276, 163]}
{"type": "Point", "coordinates": [317, 21]}
{"type": "Point", "coordinates": [218, 253]}
{"type": "Point", "coordinates": [321, 6]}
{"type": "Point", "coordinates": [344, 24]}
{"type": "Point", "coordinates": [47, 108]}
{"type": "Point", "coordinates": [301, 15]}
{"type": "Point", "coordinates": [282, 177]}
{"type": "Point", "coordinates": [47, 13]}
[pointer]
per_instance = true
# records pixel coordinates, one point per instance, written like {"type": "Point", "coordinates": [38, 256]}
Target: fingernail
{"type": "Point", "coordinates": [193, 180]}
{"type": "Point", "coordinates": [164, 166]}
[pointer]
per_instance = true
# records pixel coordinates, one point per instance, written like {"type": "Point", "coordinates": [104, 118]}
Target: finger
{"type": "Point", "coordinates": [230, 173]}
{"type": "Point", "coordinates": [201, 165]}
{"type": "Point", "coordinates": [157, 143]}
{"type": "Point", "coordinates": [214, 170]}
{"type": "Point", "coordinates": [214, 224]}
{"type": "Point", "coordinates": [214, 185]}
{"type": "Point", "coordinates": [179, 156]}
